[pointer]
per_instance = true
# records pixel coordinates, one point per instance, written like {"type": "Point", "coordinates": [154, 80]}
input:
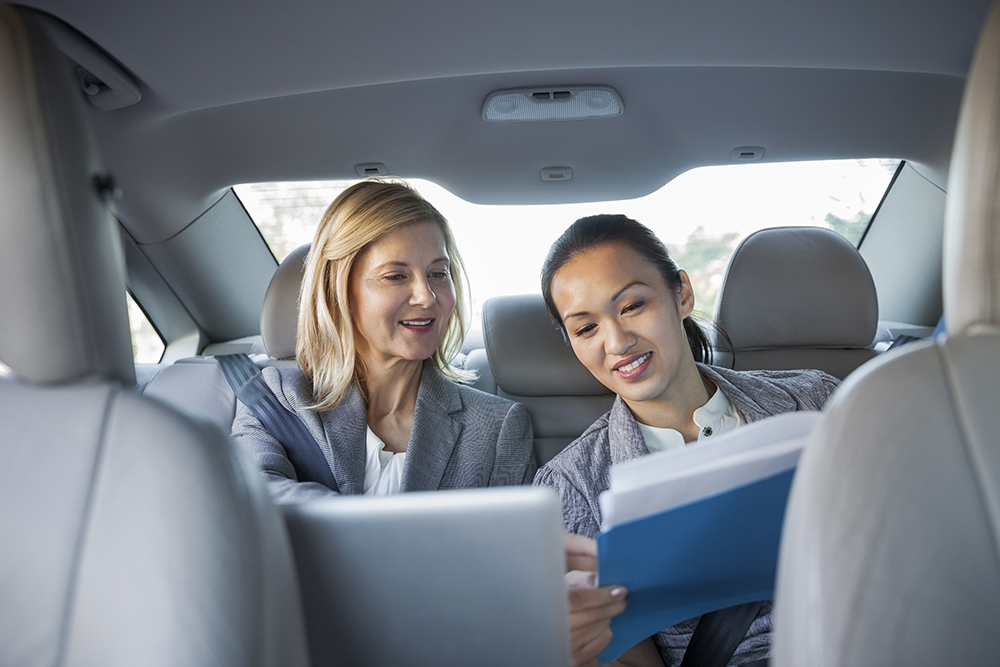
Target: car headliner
{"type": "Point", "coordinates": [250, 91]}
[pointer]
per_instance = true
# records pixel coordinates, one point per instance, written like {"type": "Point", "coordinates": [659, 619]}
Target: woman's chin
{"type": "Point", "coordinates": [637, 392]}
{"type": "Point", "coordinates": [417, 354]}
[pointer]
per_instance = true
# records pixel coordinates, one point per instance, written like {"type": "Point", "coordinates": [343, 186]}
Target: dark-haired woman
{"type": "Point", "coordinates": [624, 306]}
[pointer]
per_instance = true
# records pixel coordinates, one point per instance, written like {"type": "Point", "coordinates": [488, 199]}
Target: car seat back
{"type": "Point", "coordinates": [533, 364]}
{"type": "Point", "coordinates": [131, 535]}
{"type": "Point", "coordinates": [891, 546]}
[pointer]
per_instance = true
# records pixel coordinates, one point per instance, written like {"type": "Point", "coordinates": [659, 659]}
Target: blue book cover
{"type": "Point", "coordinates": [712, 553]}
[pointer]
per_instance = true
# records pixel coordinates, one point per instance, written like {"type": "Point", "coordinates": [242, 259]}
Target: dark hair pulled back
{"type": "Point", "coordinates": [596, 230]}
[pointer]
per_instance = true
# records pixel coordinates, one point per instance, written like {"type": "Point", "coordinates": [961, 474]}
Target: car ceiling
{"type": "Point", "coordinates": [250, 91]}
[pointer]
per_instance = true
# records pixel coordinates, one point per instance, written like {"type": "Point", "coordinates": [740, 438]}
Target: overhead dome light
{"type": "Point", "coordinates": [552, 103]}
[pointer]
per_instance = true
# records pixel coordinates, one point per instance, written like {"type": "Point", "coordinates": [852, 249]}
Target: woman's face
{"type": "Point", "coordinates": [401, 295]}
{"type": "Point", "coordinates": [624, 323]}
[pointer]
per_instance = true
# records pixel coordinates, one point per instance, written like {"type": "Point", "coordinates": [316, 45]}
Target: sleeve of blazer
{"type": "Point", "coordinates": [578, 517]}
{"type": "Point", "coordinates": [515, 452]}
{"type": "Point", "coordinates": [270, 456]}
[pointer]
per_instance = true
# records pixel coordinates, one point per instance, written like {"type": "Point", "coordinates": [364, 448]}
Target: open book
{"type": "Point", "coordinates": [697, 529]}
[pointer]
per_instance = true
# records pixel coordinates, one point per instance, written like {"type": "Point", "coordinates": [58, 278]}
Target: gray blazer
{"type": "Point", "coordinates": [461, 438]}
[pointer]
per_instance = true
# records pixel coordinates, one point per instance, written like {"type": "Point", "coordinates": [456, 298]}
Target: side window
{"type": "Point", "coordinates": [147, 346]}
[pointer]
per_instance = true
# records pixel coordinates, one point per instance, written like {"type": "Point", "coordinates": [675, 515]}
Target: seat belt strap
{"type": "Point", "coordinates": [719, 634]}
{"type": "Point", "coordinates": [902, 339]}
{"type": "Point", "coordinates": [300, 447]}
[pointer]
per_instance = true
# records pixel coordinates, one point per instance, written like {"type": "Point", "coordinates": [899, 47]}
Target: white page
{"type": "Point", "coordinates": [664, 480]}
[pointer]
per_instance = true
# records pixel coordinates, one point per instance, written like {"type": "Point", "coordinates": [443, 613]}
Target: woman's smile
{"type": "Point", "coordinates": [633, 367]}
{"type": "Point", "coordinates": [418, 325]}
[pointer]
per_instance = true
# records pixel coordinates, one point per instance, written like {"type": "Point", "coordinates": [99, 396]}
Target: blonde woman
{"type": "Point", "coordinates": [382, 312]}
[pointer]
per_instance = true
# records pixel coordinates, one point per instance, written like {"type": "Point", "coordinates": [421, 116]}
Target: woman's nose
{"type": "Point", "coordinates": [619, 340]}
{"type": "Point", "coordinates": [422, 294]}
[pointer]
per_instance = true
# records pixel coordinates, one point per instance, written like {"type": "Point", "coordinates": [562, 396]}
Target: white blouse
{"type": "Point", "coordinates": [383, 470]}
{"type": "Point", "coordinates": [714, 418]}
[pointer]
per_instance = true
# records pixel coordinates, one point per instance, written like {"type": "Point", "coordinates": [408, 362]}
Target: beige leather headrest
{"type": "Point", "coordinates": [972, 216]}
{"type": "Point", "coordinates": [280, 312]}
{"type": "Point", "coordinates": [797, 287]}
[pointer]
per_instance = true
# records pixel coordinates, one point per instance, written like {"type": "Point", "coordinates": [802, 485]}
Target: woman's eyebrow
{"type": "Point", "coordinates": [390, 263]}
{"type": "Point", "coordinates": [631, 284]}
{"type": "Point", "coordinates": [402, 264]}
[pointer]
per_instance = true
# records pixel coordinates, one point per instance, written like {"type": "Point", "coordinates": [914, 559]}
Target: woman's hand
{"type": "Point", "coordinates": [581, 553]}
{"type": "Point", "coordinates": [590, 608]}
{"type": "Point", "coordinates": [590, 612]}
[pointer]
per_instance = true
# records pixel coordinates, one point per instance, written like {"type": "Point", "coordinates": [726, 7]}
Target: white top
{"type": "Point", "coordinates": [383, 470]}
{"type": "Point", "coordinates": [714, 418]}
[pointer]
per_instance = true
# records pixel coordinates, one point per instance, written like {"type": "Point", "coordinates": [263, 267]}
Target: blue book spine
{"type": "Point", "coordinates": [713, 553]}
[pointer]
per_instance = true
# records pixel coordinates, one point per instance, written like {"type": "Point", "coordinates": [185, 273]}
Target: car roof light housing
{"type": "Point", "coordinates": [520, 105]}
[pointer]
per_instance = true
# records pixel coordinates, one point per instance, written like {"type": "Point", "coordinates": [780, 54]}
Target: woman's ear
{"type": "Point", "coordinates": [685, 299]}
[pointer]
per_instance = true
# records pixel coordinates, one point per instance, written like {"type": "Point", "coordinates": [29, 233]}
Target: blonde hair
{"type": "Point", "coordinates": [325, 346]}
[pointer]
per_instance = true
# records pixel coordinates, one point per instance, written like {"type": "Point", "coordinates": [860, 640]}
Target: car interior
{"type": "Point", "coordinates": [136, 532]}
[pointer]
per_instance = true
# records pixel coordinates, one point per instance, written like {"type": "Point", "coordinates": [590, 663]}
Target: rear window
{"type": "Point", "coordinates": [701, 215]}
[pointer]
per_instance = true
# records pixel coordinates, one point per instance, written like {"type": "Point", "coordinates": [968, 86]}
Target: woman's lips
{"type": "Point", "coordinates": [633, 367]}
{"type": "Point", "coordinates": [422, 325]}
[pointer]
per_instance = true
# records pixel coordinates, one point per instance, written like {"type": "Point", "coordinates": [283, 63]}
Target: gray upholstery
{"type": "Point", "coordinates": [797, 297]}
{"type": "Point", "coordinates": [130, 535]}
{"type": "Point", "coordinates": [280, 312]}
{"type": "Point", "coordinates": [532, 364]}
{"type": "Point", "coordinates": [197, 387]}
{"type": "Point", "coordinates": [890, 553]}
{"type": "Point", "coordinates": [477, 361]}
{"type": "Point", "coordinates": [63, 247]}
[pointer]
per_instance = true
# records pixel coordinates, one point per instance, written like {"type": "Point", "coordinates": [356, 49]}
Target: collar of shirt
{"type": "Point", "coordinates": [714, 418]}
{"type": "Point", "coordinates": [383, 470]}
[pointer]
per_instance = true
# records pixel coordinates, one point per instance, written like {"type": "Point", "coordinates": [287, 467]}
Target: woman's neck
{"type": "Point", "coordinates": [675, 407]}
{"type": "Point", "coordinates": [392, 398]}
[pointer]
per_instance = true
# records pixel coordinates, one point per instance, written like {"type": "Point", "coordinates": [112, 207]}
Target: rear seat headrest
{"type": "Point", "coordinates": [797, 287]}
{"type": "Point", "coordinates": [280, 312]}
{"type": "Point", "coordinates": [527, 353]}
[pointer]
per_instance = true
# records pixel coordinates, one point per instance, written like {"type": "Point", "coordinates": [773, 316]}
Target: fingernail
{"type": "Point", "coordinates": [618, 592]}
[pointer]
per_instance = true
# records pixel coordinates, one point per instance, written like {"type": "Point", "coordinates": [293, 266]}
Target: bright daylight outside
{"type": "Point", "coordinates": [701, 215]}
